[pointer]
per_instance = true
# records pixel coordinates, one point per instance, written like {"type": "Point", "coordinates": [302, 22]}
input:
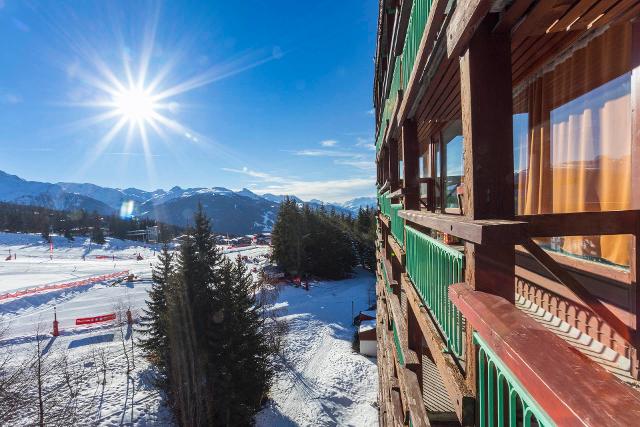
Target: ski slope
{"type": "Point", "coordinates": [320, 380]}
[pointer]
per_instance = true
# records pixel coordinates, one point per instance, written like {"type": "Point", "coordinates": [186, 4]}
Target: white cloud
{"type": "Point", "coordinates": [338, 190]}
{"type": "Point", "coordinates": [323, 153]}
{"type": "Point", "coordinates": [360, 164]}
{"type": "Point", "coordinates": [365, 143]}
{"type": "Point", "coordinates": [371, 112]}
{"type": "Point", "coordinates": [329, 143]}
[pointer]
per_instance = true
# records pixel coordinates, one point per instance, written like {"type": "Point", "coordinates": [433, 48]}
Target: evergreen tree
{"type": "Point", "coordinates": [240, 349]}
{"type": "Point", "coordinates": [153, 322]}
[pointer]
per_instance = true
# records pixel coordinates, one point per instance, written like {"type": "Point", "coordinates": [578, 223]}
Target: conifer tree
{"type": "Point", "coordinates": [240, 349]}
{"type": "Point", "coordinates": [153, 322]}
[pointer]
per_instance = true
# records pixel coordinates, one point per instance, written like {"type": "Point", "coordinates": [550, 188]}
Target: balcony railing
{"type": "Point", "coordinates": [502, 400]}
{"type": "Point", "coordinates": [396, 340]}
{"type": "Point", "coordinates": [385, 204]}
{"type": "Point", "coordinates": [404, 63]}
{"type": "Point", "coordinates": [432, 267]}
{"type": "Point", "coordinates": [397, 223]}
{"type": "Point", "coordinates": [417, 21]}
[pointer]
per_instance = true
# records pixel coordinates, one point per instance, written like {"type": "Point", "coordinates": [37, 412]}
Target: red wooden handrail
{"type": "Point", "coordinates": [571, 388]}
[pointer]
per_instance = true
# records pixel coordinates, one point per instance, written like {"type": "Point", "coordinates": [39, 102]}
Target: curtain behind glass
{"type": "Point", "coordinates": [575, 153]}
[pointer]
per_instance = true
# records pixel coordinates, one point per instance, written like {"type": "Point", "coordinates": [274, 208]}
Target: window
{"type": "Point", "coordinates": [452, 137]}
{"type": "Point", "coordinates": [572, 141]}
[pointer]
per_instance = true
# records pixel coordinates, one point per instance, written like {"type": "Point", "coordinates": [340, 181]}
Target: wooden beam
{"type": "Point", "coordinates": [481, 231]}
{"type": "Point", "coordinates": [394, 175]}
{"type": "Point", "coordinates": [486, 106]}
{"type": "Point", "coordinates": [411, 162]}
{"type": "Point", "coordinates": [567, 385]}
{"type": "Point", "coordinates": [486, 96]}
{"type": "Point", "coordinates": [425, 57]}
{"type": "Point", "coordinates": [398, 193]}
{"type": "Point", "coordinates": [383, 220]}
{"type": "Point", "coordinates": [454, 381]}
{"type": "Point", "coordinates": [512, 15]}
{"type": "Point", "coordinates": [635, 186]}
{"type": "Point", "coordinates": [576, 287]}
{"type": "Point", "coordinates": [465, 20]}
{"type": "Point", "coordinates": [400, 254]}
{"type": "Point", "coordinates": [581, 223]}
{"type": "Point", "coordinates": [411, 388]}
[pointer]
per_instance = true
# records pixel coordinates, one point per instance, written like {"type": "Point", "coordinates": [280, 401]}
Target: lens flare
{"type": "Point", "coordinates": [135, 104]}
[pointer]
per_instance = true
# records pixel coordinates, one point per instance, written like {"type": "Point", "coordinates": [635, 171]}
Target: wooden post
{"type": "Point", "coordinates": [411, 161]}
{"type": "Point", "coordinates": [635, 190]}
{"type": "Point", "coordinates": [486, 97]}
{"type": "Point", "coordinates": [394, 176]}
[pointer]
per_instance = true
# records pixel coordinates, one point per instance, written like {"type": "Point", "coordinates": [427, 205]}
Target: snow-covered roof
{"type": "Point", "coordinates": [367, 325]}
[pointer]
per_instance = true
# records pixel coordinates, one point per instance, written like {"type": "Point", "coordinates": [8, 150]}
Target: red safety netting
{"type": "Point", "coordinates": [95, 319]}
{"type": "Point", "coordinates": [56, 286]}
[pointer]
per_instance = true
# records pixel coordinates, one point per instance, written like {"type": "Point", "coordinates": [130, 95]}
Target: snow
{"type": "Point", "coordinates": [367, 325]}
{"type": "Point", "coordinates": [320, 379]}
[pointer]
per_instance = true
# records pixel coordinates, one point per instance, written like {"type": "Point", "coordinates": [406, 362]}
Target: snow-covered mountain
{"type": "Point", "coordinates": [237, 212]}
{"type": "Point", "coordinates": [279, 198]}
{"type": "Point", "coordinates": [14, 189]}
{"type": "Point", "coordinates": [359, 202]}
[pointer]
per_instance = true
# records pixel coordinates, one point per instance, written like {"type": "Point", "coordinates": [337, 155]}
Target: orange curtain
{"type": "Point", "coordinates": [579, 141]}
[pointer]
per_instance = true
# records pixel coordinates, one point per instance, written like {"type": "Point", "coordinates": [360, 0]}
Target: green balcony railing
{"type": "Point", "coordinates": [432, 267]}
{"type": "Point", "coordinates": [385, 206]}
{"type": "Point", "coordinates": [404, 63]}
{"type": "Point", "coordinates": [501, 399]}
{"type": "Point", "coordinates": [396, 340]}
{"type": "Point", "coordinates": [397, 223]}
{"type": "Point", "coordinates": [417, 21]}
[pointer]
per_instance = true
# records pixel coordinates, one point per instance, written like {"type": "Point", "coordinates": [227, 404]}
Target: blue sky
{"type": "Point", "coordinates": [272, 96]}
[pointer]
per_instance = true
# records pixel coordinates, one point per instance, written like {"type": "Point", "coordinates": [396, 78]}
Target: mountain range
{"type": "Point", "coordinates": [236, 212]}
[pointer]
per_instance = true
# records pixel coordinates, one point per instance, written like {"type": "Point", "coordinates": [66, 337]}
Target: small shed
{"type": "Point", "coordinates": [366, 315]}
{"type": "Point", "coordinates": [367, 337]}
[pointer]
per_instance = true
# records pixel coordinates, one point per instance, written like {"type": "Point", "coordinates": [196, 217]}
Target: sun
{"type": "Point", "coordinates": [135, 105]}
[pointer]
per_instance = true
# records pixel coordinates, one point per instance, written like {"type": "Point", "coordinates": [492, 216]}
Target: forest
{"type": "Point", "coordinates": [322, 243]}
{"type": "Point", "coordinates": [34, 219]}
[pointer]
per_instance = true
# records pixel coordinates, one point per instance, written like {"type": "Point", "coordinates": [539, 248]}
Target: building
{"type": "Point", "coordinates": [367, 337]}
{"type": "Point", "coordinates": [508, 174]}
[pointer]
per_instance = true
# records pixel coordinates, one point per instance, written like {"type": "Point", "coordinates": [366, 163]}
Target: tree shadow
{"type": "Point", "coordinates": [96, 339]}
{"type": "Point", "coordinates": [48, 346]}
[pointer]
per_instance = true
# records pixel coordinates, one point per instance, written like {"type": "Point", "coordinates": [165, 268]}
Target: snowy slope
{"type": "Point", "coordinates": [321, 381]}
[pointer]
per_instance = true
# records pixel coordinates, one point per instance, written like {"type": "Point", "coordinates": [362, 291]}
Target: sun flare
{"type": "Point", "coordinates": [135, 105]}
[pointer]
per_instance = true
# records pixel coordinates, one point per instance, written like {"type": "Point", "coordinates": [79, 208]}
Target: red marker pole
{"type": "Point", "coordinates": [55, 323]}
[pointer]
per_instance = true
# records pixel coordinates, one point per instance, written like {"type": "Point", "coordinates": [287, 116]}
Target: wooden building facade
{"type": "Point", "coordinates": [508, 176]}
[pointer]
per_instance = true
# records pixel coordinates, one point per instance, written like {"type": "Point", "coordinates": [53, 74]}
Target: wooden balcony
{"type": "Point", "coordinates": [539, 376]}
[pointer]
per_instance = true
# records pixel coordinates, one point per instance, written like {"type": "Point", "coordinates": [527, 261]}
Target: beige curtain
{"type": "Point", "coordinates": [579, 141]}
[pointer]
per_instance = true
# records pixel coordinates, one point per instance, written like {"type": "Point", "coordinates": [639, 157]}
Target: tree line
{"type": "Point", "coordinates": [322, 243]}
{"type": "Point", "coordinates": [208, 334]}
{"type": "Point", "coordinates": [35, 219]}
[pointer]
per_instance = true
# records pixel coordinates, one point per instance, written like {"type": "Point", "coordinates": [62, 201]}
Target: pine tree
{"type": "Point", "coordinates": [153, 322]}
{"type": "Point", "coordinates": [240, 348]}
{"type": "Point", "coordinates": [97, 235]}
{"type": "Point", "coordinates": [193, 314]}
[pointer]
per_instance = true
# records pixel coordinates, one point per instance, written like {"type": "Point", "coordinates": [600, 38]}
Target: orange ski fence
{"type": "Point", "coordinates": [57, 286]}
